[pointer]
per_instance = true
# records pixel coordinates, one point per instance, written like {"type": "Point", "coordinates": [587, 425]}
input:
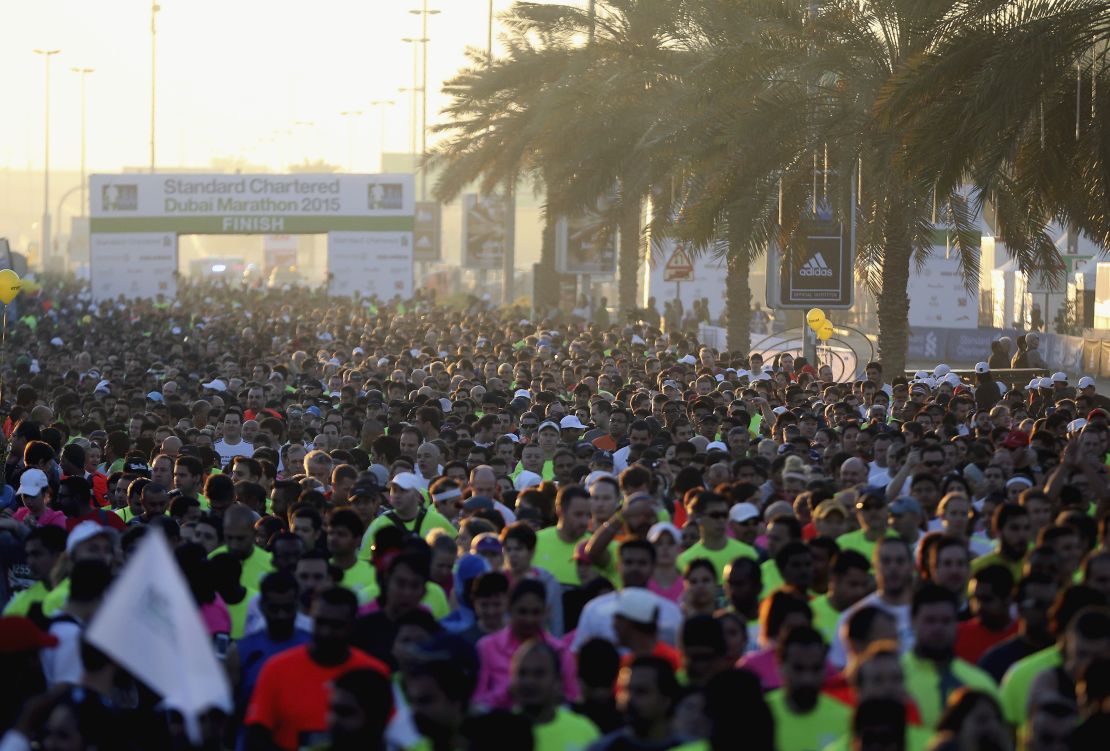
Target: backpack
{"type": "Point", "coordinates": [415, 531]}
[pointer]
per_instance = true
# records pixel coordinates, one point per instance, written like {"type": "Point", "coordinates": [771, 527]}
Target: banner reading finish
{"type": "Point", "coordinates": [251, 204]}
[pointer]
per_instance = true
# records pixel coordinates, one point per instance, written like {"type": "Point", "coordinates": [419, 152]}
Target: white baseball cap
{"type": "Point", "coordinates": [1086, 382]}
{"type": "Point", "coordinates": [216, 384]}
{"type": "Point", "coordinates": [688, 360]}
{"type": "Point", "coordinates": [571, 422]}
{"type": "Point", "coordinates": [941, 370]}
{"type": "Point", "coordinates": [526, 479]}
{"type": "Point", "coordinates": [1077, 425]}
{"type": "Point", "coordinates": [742, 512]}
{"type": "Point", "coordinates": [1045, 383]}
{"type": "Point", "coordinates": [548, 424]}
{"type": "Point", "coordinates": [87, 530]}
{"type": "Point", "coordinates": [1059, 377]}
{"type": "Point", "coordinates": [522, 392]}
{"type": "Point", "coordinates": [637, 605]}
{"type": "Point", "coordinates": [716, 446]}
{"type": "Point", "coordinates": [659, 528]}
{"type": "Point", "coordinates": [982, 367]}
{"type": "Point", "coordinates": [407, 481]}
{"type": "Point", "coordinates": [32, 482]}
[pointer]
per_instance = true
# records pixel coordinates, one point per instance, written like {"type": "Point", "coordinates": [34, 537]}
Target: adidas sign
{"type": "Point", "coordinates": [815, 266]}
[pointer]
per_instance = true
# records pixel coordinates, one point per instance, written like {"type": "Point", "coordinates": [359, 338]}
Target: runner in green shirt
{"type": "Point", "coordinates": [849, 582]}
{"type": "Point", "coordinates": [805, 718]}
{"type": "Point", "coordinates": [555, 545]}
{"type": "Point", "coordinates": [43, 546]}
{"type": "Point", "coordinates": [711, 512]}
{"type": "Point", "coordinates": [536, 686]}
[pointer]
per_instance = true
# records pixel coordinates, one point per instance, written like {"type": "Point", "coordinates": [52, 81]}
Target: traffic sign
{"type": "Point", "coordinates": [679, 267]}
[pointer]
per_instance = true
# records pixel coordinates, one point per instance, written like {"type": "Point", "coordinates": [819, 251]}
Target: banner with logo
{"type": "Point", "coordinates": [370, 264]}
{"type": "Point", "coordinates": [133, 264]}
{"type": "Point", "coordinates": [819, 273]}
{"type": "Point", "coordinates": [250, 204]}
{"type": "Point", "coordinates": [426, 245]}
{"type": "Point", "coordinates": [484, 218]}
{"type": "Point", "coordinates": [582, 246]}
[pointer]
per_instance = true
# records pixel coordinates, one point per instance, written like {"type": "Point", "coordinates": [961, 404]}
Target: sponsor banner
{"type": "Point", "coordinates": [252, 225]}
{"type": "Point", "coordinates": [370, 264]}
{"type": "Point", "coordinates": [937, 295]}
{"type": "Point", "coordinates": [583, 247]}
{"type": "Point", "coordinates": [133, 265]}
{"type": "Point", "coordinates": [1092, 354]}
{"type": "Point", "coordinates": [819, 273]}
{"type": "Point", "coordinates": [427, 223]}
{"type": "Point", "coordinates": [185, 195]}
{"type": "Point", "coordinates": [483, 245]}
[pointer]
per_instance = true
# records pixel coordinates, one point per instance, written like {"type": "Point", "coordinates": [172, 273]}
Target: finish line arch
{"type": "Point", "coordinates": [136, 220]}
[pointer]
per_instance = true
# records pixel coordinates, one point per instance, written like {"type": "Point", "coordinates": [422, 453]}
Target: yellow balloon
{"type": "Point", "coordinates": [814, 316]}
{"type": "Point", "coordinates": [824, 331]}
{"type": "Point", "coordinates": [10, 284]}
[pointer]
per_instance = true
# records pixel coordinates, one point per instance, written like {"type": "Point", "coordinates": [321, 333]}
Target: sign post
{"type": "Point", "coordinates": [679, 269]}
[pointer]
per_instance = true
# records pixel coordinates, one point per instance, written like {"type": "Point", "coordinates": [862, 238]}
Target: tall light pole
{"type": "Point", "coordinates": [415, 88]}
{"type": "Point", "coordinates": [489, 34]}
{"type": "Point", "coordinates": [381, 104]}
{"type": "Point", "coordinates": [84, 73]}
{"type": "Point", "coordinates": [423, 12]}
{"type": "Point", "coordinates": [352, 117]}
{"type": "Point", "coordinates": [46, 55]}
{"type": "Point", "coordinates": [154, 8]}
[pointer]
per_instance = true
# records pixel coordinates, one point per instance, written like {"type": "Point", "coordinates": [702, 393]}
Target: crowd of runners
{"type": "Point", "coordinates": [408, 526]}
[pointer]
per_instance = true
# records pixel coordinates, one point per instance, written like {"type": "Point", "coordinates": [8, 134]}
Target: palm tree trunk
{"type": "Point", "coordinates": [739, 295]}
{"type": "Point", "coordinates": [546, 284]}
{"type": "Point", "coordinates": [893, 306]}
{"type": "Point", "coordinates": [629, 258]}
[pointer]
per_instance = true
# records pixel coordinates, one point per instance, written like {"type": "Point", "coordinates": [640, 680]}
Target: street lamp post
{"type": "Point", "coordinates": [381, 104]}
{"type": "Point", "coordinates": [154, 8]}
{"type": "Point", "coordinates": [424, 13]}
{"type": "Point", "coordinates": [83, 72]}
{"type": "Point", "coordinates": [415, 88]}
{"type": "Point", "coordinates": [46, 55]}
{"type": "Point", "coordinates": [352, 119]}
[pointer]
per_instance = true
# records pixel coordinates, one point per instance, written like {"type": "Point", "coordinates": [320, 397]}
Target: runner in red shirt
{"type": "Point", "coordinates": [289, 706]}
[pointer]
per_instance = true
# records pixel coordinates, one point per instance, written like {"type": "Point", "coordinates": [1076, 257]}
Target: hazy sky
{"type": "Point", "coordinates": [235, 77]}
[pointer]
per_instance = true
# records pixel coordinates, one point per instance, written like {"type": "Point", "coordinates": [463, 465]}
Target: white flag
{"type": "Point", "coordinates": [150, 624]}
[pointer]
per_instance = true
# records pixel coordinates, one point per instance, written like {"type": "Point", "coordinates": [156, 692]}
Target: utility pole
{"type": "Point", "coordinates": [415, 89]}
{"type": "Point", "coordinates": [381, 104]}
{"type": "Point", "coordinates": [154, 8]}
{"type": "Point", "coordinates": [424, 39]}
{"type": "Point", "coordinates": [352, 117]}
{"type": "Point", "coordinates": [84, 73]}
{"type": "Point", "coordinates": [46, 234]}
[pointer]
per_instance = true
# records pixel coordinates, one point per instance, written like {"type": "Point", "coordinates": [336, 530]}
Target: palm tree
{"type": "Point", "coordinates": [780, 120]}
{"type": "Point", "coordinates": [568, 113]}
{"type": "Point", "coordinates": [1013, 99]}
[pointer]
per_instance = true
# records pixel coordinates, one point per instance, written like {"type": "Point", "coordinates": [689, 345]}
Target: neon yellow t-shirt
{"type": "Point", "coordinates": [22, 602]}
{"type": "Point", "coordinates": [432, 520]}
{"type": "Point", "coordinates": [917, 739]}
{"type": "Point", "coordinates": [557, 556]}
{"type": "Point", "coordinates": [825, 617]}
{"type": "Point", "coordinates": [255, 567]}
{"type": "Point", "coordinates": [732, 550]}
{"type": "Point", "coordinates": [828, 720]}
{"type": "Point", "coordinates": [566, 732]}
{"type": "Point", "coordinates": [238, 613]}
{"type": "Point", "coordinates": [923, 683]}
{"type": "Point", "coordinates": [362, 579]}
{"type": "Point", "coordinates": [53, 602]}
{"type": "Point", "coordinates": [858, 542]}
{"type": "Point", "coordinates": [1018, 682]}
{"type": "Point", "coordinates": [770, 576]}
